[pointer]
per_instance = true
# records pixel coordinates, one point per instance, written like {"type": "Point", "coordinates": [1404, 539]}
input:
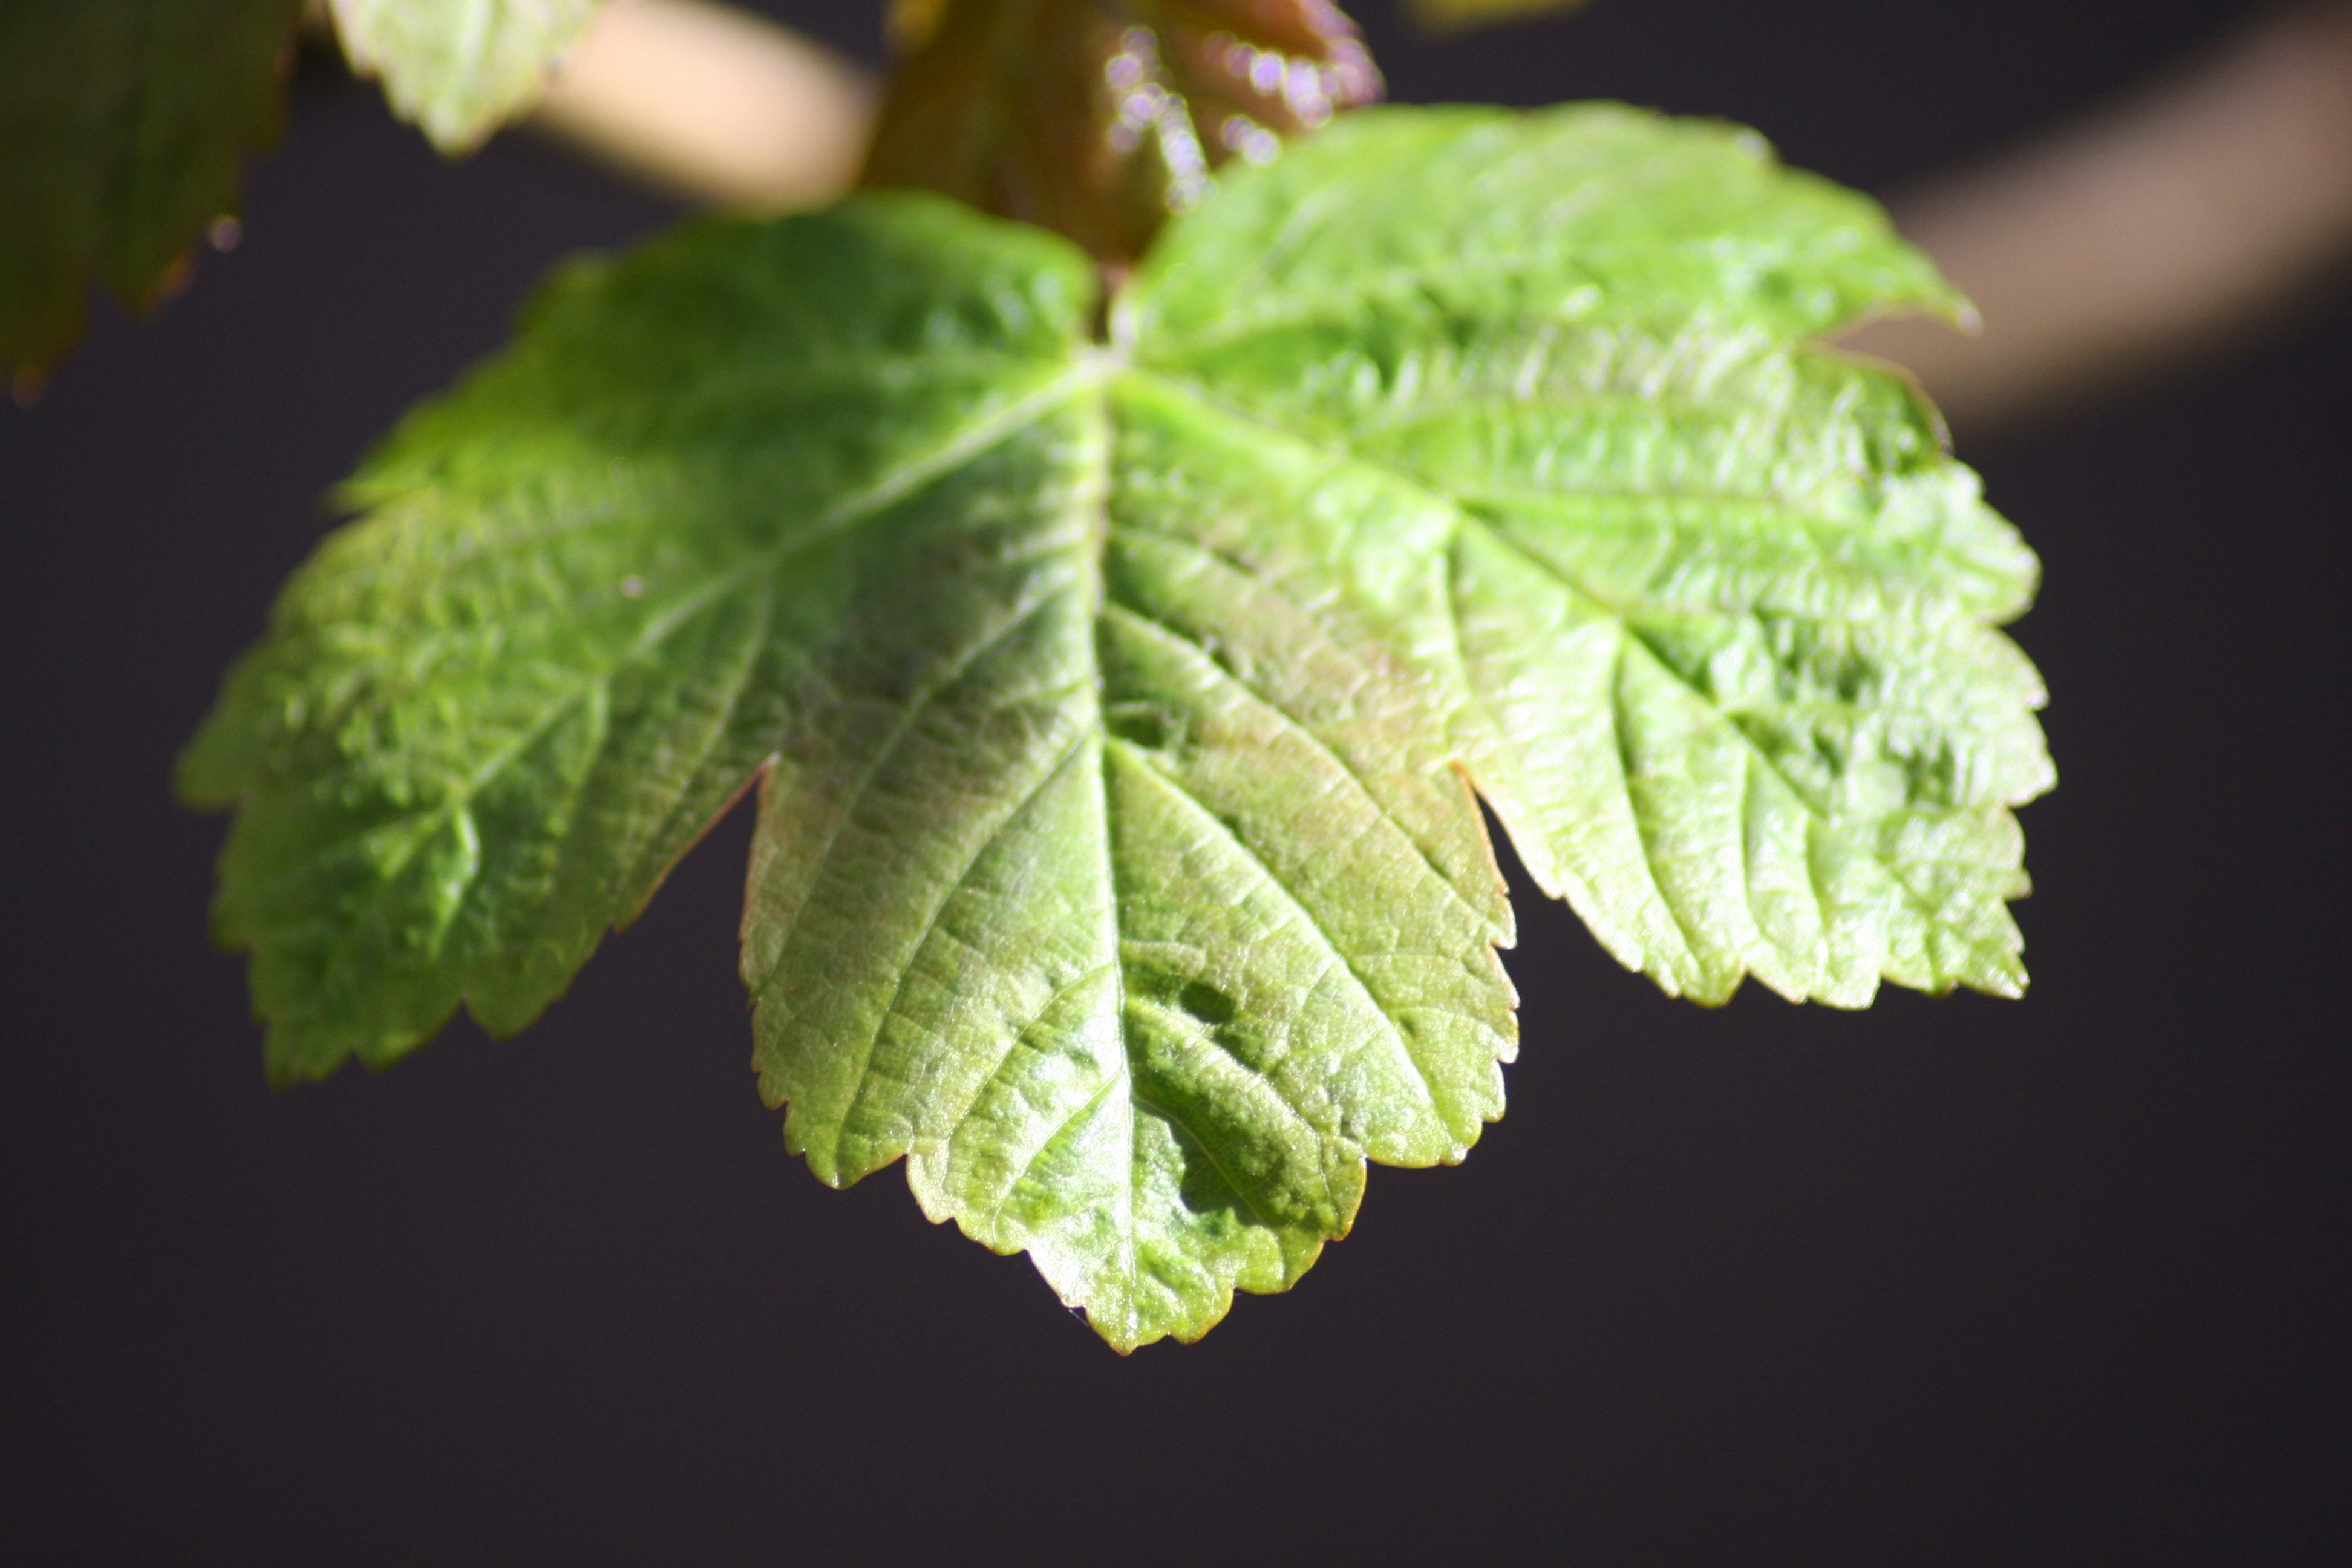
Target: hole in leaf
{"type": "Point", "coordinates": [1206, 1002]}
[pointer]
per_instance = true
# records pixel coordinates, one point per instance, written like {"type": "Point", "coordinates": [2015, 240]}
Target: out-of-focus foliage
{"type": "Point", "coordinates": [1116, 699]}
{"type": "Point", "coordinates": [459, 69]}
{"type": "Point", "coordinates": [1099, 118]}
{"type": "Point", "coordinates": [122, 123]}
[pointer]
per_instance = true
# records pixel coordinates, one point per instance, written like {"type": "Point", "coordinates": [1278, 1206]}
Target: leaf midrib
{"type": "Point", "coordinates": [969, 442]}
{"type": "Point", "coordinates": [1341, 454]}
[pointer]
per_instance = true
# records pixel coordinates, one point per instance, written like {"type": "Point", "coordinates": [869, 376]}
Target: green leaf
{"type": "Point", "coordinates": [122, 123]}
{"type": "Point", "coordinates": [1721, 593]}
{"type": "Point", "coordinates": [1099, 118]}
{"type": "Point", "coordinates": [459, 69]}
{"type": "Point", "coordinates": [1114, 704]}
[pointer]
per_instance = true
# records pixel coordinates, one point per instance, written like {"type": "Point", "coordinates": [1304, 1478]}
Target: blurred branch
{"type": "Point", "coordinates": [713, 102]}
{"type": "Point", "coordinates": [2139, 235]}
{"type": "Point", "coordinates": [1443, 16]}
{"type": "Point", "coordinates": [2144, 233]}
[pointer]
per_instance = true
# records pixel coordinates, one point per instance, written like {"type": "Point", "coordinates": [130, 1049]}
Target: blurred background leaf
{"type": "Point", "coordinates": [122, 126]}
{"type": "Point", "coordinates": [459, 69]}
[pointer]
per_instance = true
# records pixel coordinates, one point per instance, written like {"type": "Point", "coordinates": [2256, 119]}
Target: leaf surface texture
{"type": "Point", "coordinates": [1115, 707]}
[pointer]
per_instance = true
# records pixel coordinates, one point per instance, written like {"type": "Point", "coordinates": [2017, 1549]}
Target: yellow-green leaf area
{"type": "Point", "coordinates": [459, 69]}
{"type": "Point", "coordinates": [1116, 707]}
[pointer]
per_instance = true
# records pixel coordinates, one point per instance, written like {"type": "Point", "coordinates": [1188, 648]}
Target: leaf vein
{"type": "Point", "coordinates": [1298, 908]}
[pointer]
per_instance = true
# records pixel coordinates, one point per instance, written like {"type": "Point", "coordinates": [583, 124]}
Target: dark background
{"type": "Point", "coordinates": [1967, 1281]}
